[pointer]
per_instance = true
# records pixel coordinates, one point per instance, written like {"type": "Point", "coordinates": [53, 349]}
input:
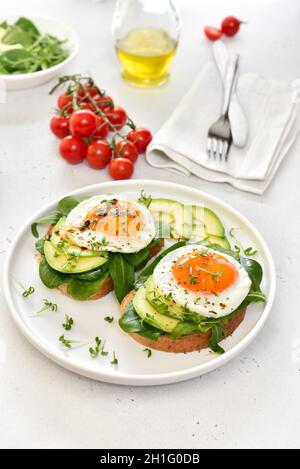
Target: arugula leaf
{"type": "Point", "coordinates": [131, 322]}
{"type": "Point", "coordinates": [50, 277]}
{"type": "Point", "coordinates": [122, 274]}
{"type": "Point", "coordinates": [67, 204]}
{"type": "Point", "coordinates": [145, 274]}
{"type": "Point", "coordinates": [50, 219]}
{"type": "Point", "coordinates": [217, 334]}
{"type": "Point", "coordinates": [82, 290]}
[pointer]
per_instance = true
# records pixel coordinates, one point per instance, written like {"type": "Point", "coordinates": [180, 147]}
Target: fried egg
{"type": "Point", "coordinates": [202, 280]}
{"type": "Point", "coordinates": [110, 223]}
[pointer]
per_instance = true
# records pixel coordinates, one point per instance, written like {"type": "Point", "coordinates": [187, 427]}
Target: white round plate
{"type": "Point", "coordinates": [45, 25]}
{"type": "Point", "coordinates": [134, 367]}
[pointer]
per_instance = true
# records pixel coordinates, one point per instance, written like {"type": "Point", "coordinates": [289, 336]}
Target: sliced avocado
{"type": "Point", "coordinates": [60, 242]}
{"type": "Point", "coordinates": [70, 263]}
{"type": "Point", "coordinates": [168, 214]}
{"type": "Point", "coordinates": [185, 221]}
{"type": "Point", "coordinates": [223, 242]}
{"type": "Point", "coordinates": [162, 304]}
{"type": "Point", "coordinates": [148, 314]}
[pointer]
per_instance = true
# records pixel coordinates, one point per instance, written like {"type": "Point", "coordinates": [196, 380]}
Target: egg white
{"type": "Point", "coordinates": [203, 303]}
{"type": "Point", "coordinates": [89, 238]}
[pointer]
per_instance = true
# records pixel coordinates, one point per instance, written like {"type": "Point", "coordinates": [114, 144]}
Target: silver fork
{"type": "Point", "coordinates": [219, 134]}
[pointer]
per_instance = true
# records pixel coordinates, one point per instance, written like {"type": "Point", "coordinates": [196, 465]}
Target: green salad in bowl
{"type": "Point", "coordinates": [33, 50]}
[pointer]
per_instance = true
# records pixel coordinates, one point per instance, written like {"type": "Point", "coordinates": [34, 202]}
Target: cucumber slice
{"type": "Point", "coordinates": [69, 263]}
{"type": "Point", "coordinates": [60, 242]}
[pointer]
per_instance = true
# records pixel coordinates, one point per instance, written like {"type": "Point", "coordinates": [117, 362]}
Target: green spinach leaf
{"type": "Point", "coordinates": [138, 259]}
{"type": "Point", "coordinates": [67, 204]}
{"type": "Point", "coordinates": [26, 25]}
{"type": "Point", "coordinates": [92, 275]}
{"type": "Point", "coordinates": [82, 290]}
{"type": "Point", "coordinates": [50, 219]}
{"type": "Point", "coordinates": [217, 334]}
{"type": "Point", "coordinates": [39, 245]}
{"type": "Point", "coordinates": [122, 274]}
{"type": "Point", "coordinates": [50, 277]}
{"type": "Point", "coordinates": [131, 322]}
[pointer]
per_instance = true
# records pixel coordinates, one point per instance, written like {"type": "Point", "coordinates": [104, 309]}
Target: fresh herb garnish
{"type": "Point", "coordinates": [68, 324]}
{"type": "Point", "coordinates": [48, 305]}
{"type": "Point", "coordinates": [250, 251]}
{"type": "Point", "coordinates": [26, 291]}
{"type": "Point", "coordinates": [98, 349]}
{"type": "Point", "coordinates": [100, 244]}
{"type": "Point", "coordinates": [115, 361]}
{"type": "Point", "coordinates": [95, 351]}
{"type": "Point", "coordinates": [148, 352]}
{"type": "Point", "coordinates": [109, 319]}
{"type": "Point", "coordinates": [68, 343]}
{"type": "Point", "coordinates": [145, 199]}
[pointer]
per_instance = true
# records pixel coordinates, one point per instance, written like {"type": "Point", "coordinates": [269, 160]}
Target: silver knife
{"type": "Point", "coordinates": [238, 121]}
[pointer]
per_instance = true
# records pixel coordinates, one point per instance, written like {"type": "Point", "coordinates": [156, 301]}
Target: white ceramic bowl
{"type": "Point", "coordinates": [45, 25]}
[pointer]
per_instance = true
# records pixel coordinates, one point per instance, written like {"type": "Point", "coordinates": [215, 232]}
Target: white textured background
{"type": "Point", "coordinates": [253, 401]}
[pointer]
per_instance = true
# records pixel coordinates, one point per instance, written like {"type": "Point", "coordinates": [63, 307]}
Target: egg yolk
{"type": "Point", "coordinates": [204, 272]}
{"type": "Point", "coordinates": [114, 218]}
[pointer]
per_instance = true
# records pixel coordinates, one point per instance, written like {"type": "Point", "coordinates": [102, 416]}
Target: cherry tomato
{"type": "Point", "coordinates": [116, 116]}
{"type": "Point", "coordinates": [230, 25]}
{"type": "Point", "coordinates": [127, 150]}
{"type": "Point", "coordinates": [92, 89]}
{"type": "Point", "coordinates": [99, 154]}
{"type": "Point", "coordinates": [87, 106]}
{"type": "Point", "coordinates": [65, 102]}
{"type": "Point", "coordinates": [104, 102]}
{"type": "Point", "coordinates": [121, 168]}
{"type": "Point", "coordinates": [73, 149]}
{"type": "Point", "coordinates": [60, 125]}
{"type": "Point", "coordinates": [83, 123]}
{"type": "Point", "coordinates": [141, 138]}
{"type": "Point", "coordinates": [102, 128]}
{"type": "Point", "coordinates": [213, 34]}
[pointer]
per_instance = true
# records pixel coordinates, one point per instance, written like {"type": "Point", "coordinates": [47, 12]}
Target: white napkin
{"type": "Point", "coordinates": [274, 122]}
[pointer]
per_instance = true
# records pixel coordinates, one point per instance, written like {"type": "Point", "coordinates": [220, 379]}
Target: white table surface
{"type": "Point", "coordinates": [253, 401]}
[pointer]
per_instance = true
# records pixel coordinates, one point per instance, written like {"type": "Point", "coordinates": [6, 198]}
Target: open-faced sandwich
{"type": "Point", "coordinates": [191, 298]}
{"type": "Point", "coordinates": [94, 245]}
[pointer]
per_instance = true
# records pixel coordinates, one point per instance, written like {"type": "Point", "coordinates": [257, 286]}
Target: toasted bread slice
{"type": "Point", "coordinates": [189, 343]}
{"type": "Point", "coordinates": [106, 287]}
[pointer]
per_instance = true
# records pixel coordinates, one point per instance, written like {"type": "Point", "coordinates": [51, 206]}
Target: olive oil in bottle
{"type": "Point", "coordinates": [145, 56]}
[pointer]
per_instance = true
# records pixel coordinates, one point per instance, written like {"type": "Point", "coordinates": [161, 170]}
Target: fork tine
{"type": "Point", "coordinates": [220, 148]}
{"type": "Point", "coordinates": [208, 147]}
{"type": "Point", "coordinates": [215, 145]}
{"type": "Point", "coordinates": [227, 150]}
